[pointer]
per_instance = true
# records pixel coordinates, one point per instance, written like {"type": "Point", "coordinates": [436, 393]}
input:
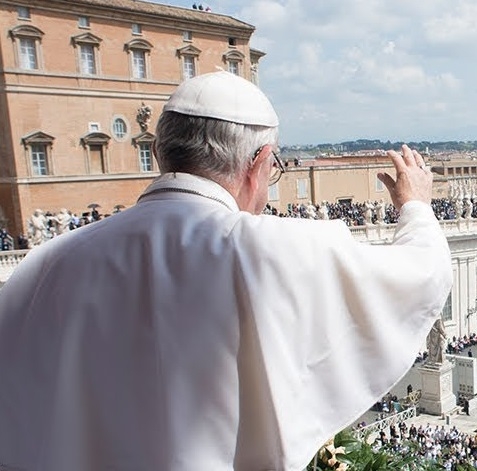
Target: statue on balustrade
{"type": "Point", "coordinates": [311, 211]}
{"type": "Point", "coordinates": [467, 208]}
{"type": "Point", "coordinates": [62, 221]}
{"type": "Point", "coordinates": [459, 207]}
{"type": "Point", "coordinates": [436, 343]}
{"type": "Point", "coordinates": [380, 209]}
{"type": "Point", "coordinates": [37, 228]}
{"type": "Point", "coordinates": [368, 212]}
{"type": "Point", "coordinates": [323, 211]}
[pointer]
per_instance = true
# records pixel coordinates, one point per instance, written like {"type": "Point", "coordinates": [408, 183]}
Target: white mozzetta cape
{"type": "Point", "coordinates": [183, 334]}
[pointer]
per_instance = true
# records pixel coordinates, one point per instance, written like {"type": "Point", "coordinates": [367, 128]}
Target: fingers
{"type": "Point", "coordinates": [388, 181]}
{"type": "Point", "coordinates": [413, 180]}
{"type": "Point", "coordinates": [407, 158]}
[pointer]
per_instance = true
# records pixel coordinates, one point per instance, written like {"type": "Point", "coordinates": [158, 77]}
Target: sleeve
{"type": "Point", "coordinates": [336, 323]}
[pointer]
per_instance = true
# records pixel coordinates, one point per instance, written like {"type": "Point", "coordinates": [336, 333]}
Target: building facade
{"type": "Point", "coordinates": [82, 83]}
{"type": "Point", "coordinates": [345, 178]}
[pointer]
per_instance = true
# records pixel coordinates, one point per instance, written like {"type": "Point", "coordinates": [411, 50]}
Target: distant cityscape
{"type": "Point", "coordinates": [367, 145]}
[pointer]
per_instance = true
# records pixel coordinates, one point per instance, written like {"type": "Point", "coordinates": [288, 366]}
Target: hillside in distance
{"type": "Point", "coordinates": [360, 145]}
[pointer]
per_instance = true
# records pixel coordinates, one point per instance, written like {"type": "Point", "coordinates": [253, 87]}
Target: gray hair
{"type": "Point", "coordinates": [211, 148]}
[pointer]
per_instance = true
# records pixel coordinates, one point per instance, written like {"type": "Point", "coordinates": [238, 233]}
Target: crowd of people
{"type": "Point", "coordinates": [374, 212]}
{"type": "Point", "coordinates": [44, 225]}
{"type": "Point", "coordinates": [448, 448]}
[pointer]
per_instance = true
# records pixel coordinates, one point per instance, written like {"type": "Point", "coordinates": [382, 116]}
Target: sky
{"type": "Point", "coordinates": [338, 70]}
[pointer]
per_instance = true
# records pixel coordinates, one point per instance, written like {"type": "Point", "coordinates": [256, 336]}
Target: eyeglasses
{"type": "Point", "coordinates": [277, 170]}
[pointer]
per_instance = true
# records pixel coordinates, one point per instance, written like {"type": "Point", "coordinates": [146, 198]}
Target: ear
{"type": "Point", "coordinates": [260, 168]}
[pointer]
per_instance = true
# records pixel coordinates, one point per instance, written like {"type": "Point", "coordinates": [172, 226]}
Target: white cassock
{"type": "Point", "coordinates": [183, 334]}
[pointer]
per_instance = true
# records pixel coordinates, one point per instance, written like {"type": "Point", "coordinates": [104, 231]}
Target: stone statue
{"type": "Point", "coordinates": [467, 211]}
{"type": "Point", "coordinates": [436, 343]}
{"type": "Point", "coordinates": [323, 211]}
{"type": "Point", "coordinates": [310, 211]}
{"type": "Point", "coordinates": [62, 221]}
{"type": "Point", "coordinates": [380, 209]}
{"type": "Point", "coordinates": [368, 212]}
{"type": "Point", "coordinates": [37, 228]}
{"type": "Point", "coordinates": [459, 207]}
{"type": "Point", "coordinates": [143, 116]}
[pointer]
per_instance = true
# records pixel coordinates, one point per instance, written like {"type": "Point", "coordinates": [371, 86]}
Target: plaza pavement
{"type": "Point", "coordinates": [463, 422]}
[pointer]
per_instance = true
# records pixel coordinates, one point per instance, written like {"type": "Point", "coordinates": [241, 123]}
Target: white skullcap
{"type": "Point", "coordinates": [225, 96]}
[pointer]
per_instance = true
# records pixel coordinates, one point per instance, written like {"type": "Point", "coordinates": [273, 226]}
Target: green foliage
{"type": "Point", "coordinates": [346, 452]}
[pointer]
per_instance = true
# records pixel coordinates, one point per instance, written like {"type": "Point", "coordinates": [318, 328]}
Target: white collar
{"type": "Point", "coordinates": [192, 184]}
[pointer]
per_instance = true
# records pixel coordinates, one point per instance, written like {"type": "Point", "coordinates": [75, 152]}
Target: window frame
{"type": "Point", "coordinates": [302, 191]}
{"type": "Point", "coordinates": [136, 29]}
{"type": "Point", "coordinates": [114, 128]}
{"type": "Point", "coordinates": [83, 22]}
{"type": "Point", "coordinates": [143, 47]}
{"type": "Point", "coordinates": [93, 140]}
{"type": "Point", "coordinates": [27, 33]}
{"type": "Point", "coordinates": [189, 69]}
{"type": "Point", "coordinates": [274, 192]}
{"type": "Point", "coordinates": [234, 57]}
{"type": "Point", "coordinates": [143, 149]}
{"type": "Point", "coordinates": [80, 42]}
{"type": "Point", "coordinates": [447, 309]}
{"type": "Point", "coordinates": [24, 9]}
{"type": "Point", "coordinates": [143, 139]}
{"type": "Point", "coordinates": [32, 144]}
{"type": "Point", "coordinates": [191, 53]}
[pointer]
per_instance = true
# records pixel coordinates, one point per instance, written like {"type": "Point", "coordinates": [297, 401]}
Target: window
{"type": "Point", "coordinates": [87, 49]}
{"type": "Point", "coordinates": [87, 59]}
{"type": "Point", "coordinates": [28, 57]}
{"type": "Point", "coordinates": [234, 67]}
{"type": "Point", "coordinates": [187, 36]}
{"type": "Point", "coordinates": [26, 41]}
{"type": "Point", "coordinates": [93, 127]}
{"type": "Point", "coordinates": [136, 28]}
{"type": "Point", "coordinates": [145, 157]}
{"type": "Point", "coordinates": [38, 145]}
{"type": "Point", "coordinates": [234, 60]}
{"type": "Point", "coordinates": [302, 188]}
{"type": "Point", "coordinates": [119, 129]}
{"type": "Point", "coordinates": [83, 22]}
{"type": "Point", "coordinates": [189, 67]}
{"type": "Point", "coordinates": [139, 51]}
{"type": "Point", "coordinates": [273, 192]}
{"type": "Point", "coordinates": [232, 42]}
{"type": "Point", "coordinates": [379, 185]}
{"type": "Point", "coordinates": [189, 56]}
{"type": "Point", "coordinates": [139, 64]}
{"type": "Point", "coordinates": [447, 309]}
{"type": "Point", "coordinates": [23, 13]}
{"type": "Point", "coordinates": [95, 144]}
{"type": "Point", "coordinates": [143, 143]}
{"type": "Point", "coordinates": [38, 159]}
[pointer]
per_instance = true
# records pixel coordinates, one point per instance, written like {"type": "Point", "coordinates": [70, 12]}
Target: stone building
{"type": "Point", "coordinates": [332, 179]}
{"type": "Point", "coordinates": [82, 83]}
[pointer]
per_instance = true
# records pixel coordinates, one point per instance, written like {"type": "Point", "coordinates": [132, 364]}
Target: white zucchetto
{"type": "Point", "coordinates": [225, 96]}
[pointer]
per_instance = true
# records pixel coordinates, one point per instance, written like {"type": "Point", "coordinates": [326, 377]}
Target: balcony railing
{"type": "Point", "coordinates": [9, 260]}
{"type": "Point", "coordinates": [373, 233]}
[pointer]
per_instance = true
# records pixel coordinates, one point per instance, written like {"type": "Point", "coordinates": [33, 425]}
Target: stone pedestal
{"type": "Point", "coordinates": [437, 397]}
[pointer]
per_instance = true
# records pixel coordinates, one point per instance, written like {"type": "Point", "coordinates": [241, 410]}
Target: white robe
{"type": "Point", "coordinates": [183, 334]}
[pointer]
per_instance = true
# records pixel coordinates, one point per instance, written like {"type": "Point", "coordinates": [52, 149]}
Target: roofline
{"type": "Point", "coordinates": [170, 16]}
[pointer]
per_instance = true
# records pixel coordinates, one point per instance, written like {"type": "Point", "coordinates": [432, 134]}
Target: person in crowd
{"type": "Point", "coordinates": [185, 337]}
{"type": "Point", "coordinates": [5, 240]}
